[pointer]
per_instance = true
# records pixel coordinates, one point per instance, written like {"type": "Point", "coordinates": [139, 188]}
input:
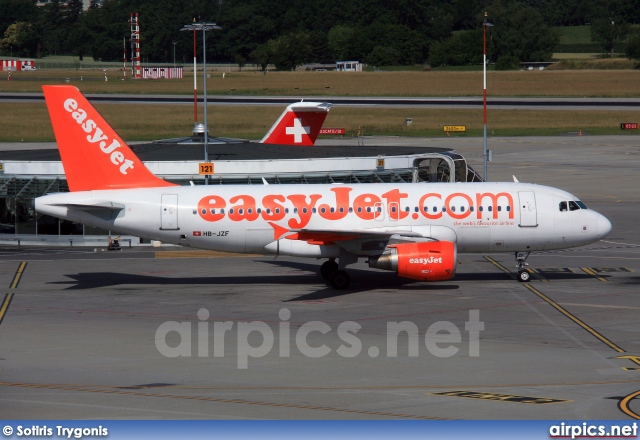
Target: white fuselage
{"type": "Point", "coordinates": [479, 217]}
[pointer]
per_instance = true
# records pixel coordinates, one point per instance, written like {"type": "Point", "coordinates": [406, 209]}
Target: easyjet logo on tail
{"type": "Point", "coordinates": [95, 135]}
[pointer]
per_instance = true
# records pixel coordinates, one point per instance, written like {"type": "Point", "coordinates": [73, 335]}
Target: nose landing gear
{"type": "Point", "coordinates": [523, 275]}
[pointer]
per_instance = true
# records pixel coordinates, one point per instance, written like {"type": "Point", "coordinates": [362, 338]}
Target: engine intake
{"type": "Point", "coordinates": [425, 261]}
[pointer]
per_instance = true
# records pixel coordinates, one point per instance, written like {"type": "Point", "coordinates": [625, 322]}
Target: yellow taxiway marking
{"type": "Point", "coordinates": [18, 275]}
{"type": "Point", "coordinates": [624, 405]}
{"type": "Point", "coordinates": [201, 254]}
{"type": "Point", "coordinates": [500, 397]}
{"type": "Point", "coordinates": [601, 306]}
{"type": "Point", "coordinates": [5, 305]}
{"type": "Point", "coordinates": [498, 265]}
{"type": "Point", "coordinates": [593, 273]}
{"type": "Point", "coordinates": [106, 390]}
{"type": "Point", "coordinates": [574, 318]}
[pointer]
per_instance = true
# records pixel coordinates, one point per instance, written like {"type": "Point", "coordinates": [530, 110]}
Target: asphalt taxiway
{"type": "Point", "coordinates": [89, 334]}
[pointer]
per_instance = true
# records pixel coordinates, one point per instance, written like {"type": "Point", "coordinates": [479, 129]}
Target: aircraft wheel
{"type": "Point", "coordinates": [340, 280]}
{"type": "Point", "coordinates": [328, 267]}
{"type": "Point", "coordinates": [524, 276]}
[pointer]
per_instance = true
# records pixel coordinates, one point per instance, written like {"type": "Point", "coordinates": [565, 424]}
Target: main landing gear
{"type": "Point", "coordinates": [521, 258]}
{"type": "Point", "coordinates": [339, 279]}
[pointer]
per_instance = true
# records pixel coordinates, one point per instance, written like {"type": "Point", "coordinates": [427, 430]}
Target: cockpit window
{"type": "Point", "coordinates": [573, 206]}
{"type": "Point", "coordinates": [581, 205]}
{"type": "Point", "coordinates": [563, 206]}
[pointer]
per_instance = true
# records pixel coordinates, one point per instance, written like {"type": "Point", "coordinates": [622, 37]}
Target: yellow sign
{"type": "Point", "coordinates": [455, 128]}
{"type": "Point", "coordinates": [1, 168]}
{"type": "Point", "coordinates": [205, 168]}
{"type": "Point", "coordinates": [380, 163]}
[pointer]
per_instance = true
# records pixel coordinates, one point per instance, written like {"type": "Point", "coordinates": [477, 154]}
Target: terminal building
{"type": "Point", "coordinates": [27, 174]}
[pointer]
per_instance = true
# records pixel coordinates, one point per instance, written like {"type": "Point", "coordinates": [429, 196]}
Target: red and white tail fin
{"type": "Point", "coordinates": [299, 125]}
{"type": "Point", "coordinates": [93, 155]}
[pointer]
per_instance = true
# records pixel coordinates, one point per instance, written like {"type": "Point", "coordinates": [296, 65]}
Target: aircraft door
{"type": "Point", "coordinates": [394, 211]}
{"type": "Point", "coordinates": [169, 212]}
{"type": "Point", "coordinates": [378, 210]}
{"type": "Point", "coordinates": [528, 213]}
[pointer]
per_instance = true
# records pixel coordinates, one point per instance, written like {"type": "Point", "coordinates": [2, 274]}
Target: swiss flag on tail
{"type": "Point", "coordinates": [299, 125]}
{"type": "Point", "coordinates": [93, 155]}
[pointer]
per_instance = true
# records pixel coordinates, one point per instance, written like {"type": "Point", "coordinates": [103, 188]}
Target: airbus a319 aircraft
{"type": "Point", "coordinates": [413, 229]}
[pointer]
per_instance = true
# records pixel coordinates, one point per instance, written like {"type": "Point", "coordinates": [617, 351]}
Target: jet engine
{"type": "Point", "coordinates": [425, 261]}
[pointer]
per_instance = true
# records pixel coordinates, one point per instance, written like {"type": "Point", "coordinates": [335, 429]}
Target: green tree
{"type": "Point", "coordinates": [20, 38]}
{"type": "Point", "coordinates": [633, 46]}
{"type": "Point", "coordinates": [240, 61]}
{"type": "Point", "coordinates": [13, 11]}
{"type": "Point", "coordinates": [340, 41]}
{"type": "Point", "coordinates": [609, 33]}
{"type": "Point", "coordinates": [519, 31]}
{"type": "Point", "coordinates": [464, 47]}
{"type": "Point", "coordinates": [291, 50]}
{"type": "Point", "coordinates": [263, 54]}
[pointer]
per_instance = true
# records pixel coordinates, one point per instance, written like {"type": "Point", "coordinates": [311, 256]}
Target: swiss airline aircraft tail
{"type": "Point", "coordinates": [299, 124]}
{"type": "Point", "coordinates": [93, 155]}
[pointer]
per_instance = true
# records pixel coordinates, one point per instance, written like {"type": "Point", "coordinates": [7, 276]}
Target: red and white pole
{"type": "Point", "coordinates": [124, 57]}
{"type": "Point", "coordinates": [195, 83]}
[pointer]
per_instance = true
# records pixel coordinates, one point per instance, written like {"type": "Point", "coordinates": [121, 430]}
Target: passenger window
{"type": "Point", "coordinates": [563, 206]}
{"type": "Point", "coordinates": [471, 208]}
{"type": "Point", "coordinates": [499, 208]}
{"type": "Point", "coordinates": [573, 206]}
{"type": "Point", "coordinates": [480, 208]}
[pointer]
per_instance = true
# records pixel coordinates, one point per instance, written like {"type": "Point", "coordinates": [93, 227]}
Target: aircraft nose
{"type": "Point", "coordinates": [604, 226]}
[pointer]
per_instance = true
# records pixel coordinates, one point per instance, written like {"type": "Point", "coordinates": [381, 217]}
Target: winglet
{"type": "Point", "coordinates": [299, 124]}
{"type": "Point", "coordinates": [93, 155]}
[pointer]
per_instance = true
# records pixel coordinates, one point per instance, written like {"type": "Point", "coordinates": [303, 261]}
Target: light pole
{"type": "Point", "coordinates": [174, 54]}
{"type": "Point", "coordinates": [484, 93]}
{"type": "Point", "coordinates": [204, 27]}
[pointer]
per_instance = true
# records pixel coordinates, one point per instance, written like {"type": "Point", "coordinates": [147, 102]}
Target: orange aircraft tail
{"type": "Point", "coordinates": [93, 155]}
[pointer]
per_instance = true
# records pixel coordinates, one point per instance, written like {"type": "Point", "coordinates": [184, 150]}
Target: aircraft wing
{"type": "Point", "coordinates": [364, 242]}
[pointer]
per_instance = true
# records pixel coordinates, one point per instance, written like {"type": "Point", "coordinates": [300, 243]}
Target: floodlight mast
{"type": "Point", "coordinates": [484, 93]}
{"type": "Point", "coordinates": [204, 27]}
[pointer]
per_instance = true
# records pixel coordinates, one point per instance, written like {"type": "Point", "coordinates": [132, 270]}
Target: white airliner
{"type": "Point", "coordinates": [413, 229]}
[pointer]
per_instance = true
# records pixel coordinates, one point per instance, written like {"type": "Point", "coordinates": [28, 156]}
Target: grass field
{"type": "Point", "coordinates": [568, 83]}
{"type": "Point", "coordinates": [30, 122]}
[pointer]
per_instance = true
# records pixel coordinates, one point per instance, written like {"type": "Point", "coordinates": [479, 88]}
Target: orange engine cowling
{"type": "Point", "coordinates": [425, 261]}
